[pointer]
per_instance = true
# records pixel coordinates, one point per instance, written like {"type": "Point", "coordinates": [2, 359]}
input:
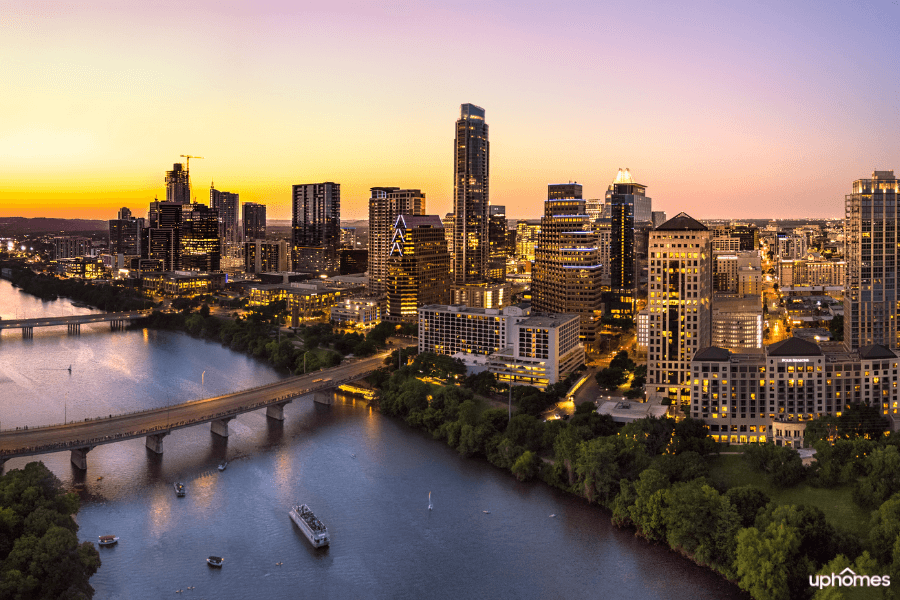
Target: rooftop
{"type": "Point", "coordinates": [682, 222]}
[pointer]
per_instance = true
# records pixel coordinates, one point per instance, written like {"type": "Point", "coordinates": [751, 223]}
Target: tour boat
{"type": "Point", "coordinates": [314, 530]}
{"type": "Point", "coordinates": [108, 540]}
{"type": "Point", "coordinates": [215, 561]}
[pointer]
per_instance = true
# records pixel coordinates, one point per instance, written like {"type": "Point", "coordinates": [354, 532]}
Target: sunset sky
{"type": "Point", "coordinates": [723, 109]}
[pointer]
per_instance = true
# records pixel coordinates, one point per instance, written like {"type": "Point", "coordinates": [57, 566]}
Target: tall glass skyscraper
{"type": "Point", "coordinates": [316, 224]}
{"type": "Point", "coordinates": [628, 205]}
{"type": "Point", "coordinates": [227, 204]}
{"type": "Point", "coordinates": [870, 236]}
{"type": "Point", "coordinates": [178, 185]}
{"type": "Point", "coordinates": [471, 248]}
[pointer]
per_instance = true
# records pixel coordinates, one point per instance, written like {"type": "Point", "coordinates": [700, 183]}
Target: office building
{"type": "Point", "coordinates": [125, 234]}
{"type": "Point", "coordinates": [178, 185]}
{"type": "Point", "coordinates": [470, 197]}
{"type": "Point", "coordinates": [657, 217]}
{"type": "Point", "coordinates": [497, 242]}
{"type": "Point", "coordinates": [737, 323]}
{"type": "Point", "coordinates": [316, 224]}
{"type": "Point", "coordinates": [253, 220]}
{"type": "Point", "coordinates": [361, 313]}
{"type": "Point", "coordinates": [871, 243]}
{"type": "Point", "coordinates": [68, 246]}
{"type": "Point", "coordinates": [449, 221]}
{"type": "Point", "coordinates": [629, 206]}
{"type": "Point", "coordinates": [519, 348]}
{"type": "Point", "coordinates": [385, 205]}
{"type": "Point", "coordinates": [567, 270]}
{"type": "Point", "coordinates": [747, 397]}
{"type": "Point", "coordinates": [348, 237]}
{"type": "Point", "coordinates": [527, 234]}
{"type": "Point", "coordinates": [418, 267]}
{"type": "Point", "coordinates": [261, 256]}
{"type": "Point", "coordinates": [201, 247]}
{"type": "Point", "coordinates": [161, 246]}
{"type": "Point", "coordinates": [226, 204]}
{"type": "Point", "coordinates": [679, 298]}
{"type": "Point", "coordinates": [353, 261]}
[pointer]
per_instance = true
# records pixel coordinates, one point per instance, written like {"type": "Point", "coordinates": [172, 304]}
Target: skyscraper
{"type": "Point", "coordinates": [870, 234]}
{"type": "Point", "coordinates": [178, 185]}
{"type": "Point", "coordinates": [254, 221]}
{"type": "Point", "coordinates": [125, 234]}
{"type": "Point", "coordinates": [470, 197]}
{"type": "Point", "coordinates": [679, 303]}
{"type": "Point", "coordinates": [316, 226]}
{"type": "Point", "coordinates": [385, 205]}
{"type": "Point", "coordinates": [226, 203]}
{"type": "Point", "coordinates": [567, 270]}
{"type": "Point", "coordinates": [628, 206]}
{"type": "Point", "coordinates": [418, 268]}
{"type": "Point", "coordinates": [497, 242]}
{"type": "Point", "coordinates": [200, 243]}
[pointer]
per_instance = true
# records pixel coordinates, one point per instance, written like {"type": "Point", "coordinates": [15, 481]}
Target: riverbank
{"type": "Point", "coordinates": [657, 477]}
{"type": "Point", "coordinates": [108, 297]}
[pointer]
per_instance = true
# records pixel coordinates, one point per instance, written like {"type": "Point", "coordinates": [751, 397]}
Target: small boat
{"type": "Point", "coordinates": [430, 505]}
{"type": "Point", "coordinates": [223, 465]}
{"type": "Point", "coordinates": [553, 515]}
{"type": "Point", "coordinates": [487, 512]}
{"type": "Point", "coordinates": [215, 561]}
{"type": "Point", "coordinates": [108, 540]}
{"type": "Point", "coordinates": [179, 489]}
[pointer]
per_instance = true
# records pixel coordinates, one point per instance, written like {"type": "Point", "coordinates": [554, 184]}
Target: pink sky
{"type": "Point", "coordinates": [722, 109]}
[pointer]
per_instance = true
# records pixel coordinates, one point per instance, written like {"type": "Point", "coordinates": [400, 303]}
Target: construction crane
{"type": "Point", "coordinates": [189, 157]}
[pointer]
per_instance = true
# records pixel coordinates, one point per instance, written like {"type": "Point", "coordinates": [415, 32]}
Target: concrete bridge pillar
{"type": "Point", "coordinates": [79, 457]}
{"type": "Point", "coordinates": [276, 411]}
{"type": "Point", "coordinates": [155, 442]}
{"type": "Point", "coordinates": [324, 397]}
{"type": "Point", "coordinates": [220, 426]}
{"type": "Point", "coordinates": [74, 328]}
{"type": "Point", "coordinates": [28, 332]}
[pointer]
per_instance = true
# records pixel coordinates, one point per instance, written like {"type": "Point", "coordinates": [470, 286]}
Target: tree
{"type": "Point", "coordinates": [769, 564]}
{"type": "Point", "coordinates": [885, 529]}
{"type": "Point", "coordinates": [882, 480]}
{"type": "Point", "coordinates": [610, 378]}
{"type": "Point", "coordinates": [526, 466]}
{"type": "Point", "coordinates": [702, 522]}
{"type": "Point", "coordinates": [747, 501]}
{"type": "Point", "coordinates": [836, 327]}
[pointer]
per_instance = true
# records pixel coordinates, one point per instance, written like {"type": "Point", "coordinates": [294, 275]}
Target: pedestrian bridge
{"type": "Point", "coordinates": [116, 320]}
{"type": "Point", "coordinates": [154, 424]}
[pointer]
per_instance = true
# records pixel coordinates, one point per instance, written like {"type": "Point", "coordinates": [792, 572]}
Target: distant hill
{"type": "Point", "coordinates": [11, 226]}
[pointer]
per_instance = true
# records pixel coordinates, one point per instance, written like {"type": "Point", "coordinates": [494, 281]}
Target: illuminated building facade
{"type": "Point", "coordinates": [418, 267]}
{"type": "Point", "coordinates": [679, 301]}
{"type": "Point", "coordinates": [125, 234]}
{"type": "Point", "coordinates": [385, 205]}
{"type": "Point", "coordinates": [253, 220]}
{"type": "Point", "coordinates": [744, 396]}
{"type": "Point", "coordinates": [471, 245]}
{"type": "Point", "coordinates": [567, 270]}
{"type": "Point", "coordinates": [261, 256]}
{"type": "Point", "coordinates": [71, 247]}
{"type": "Point", "coordinates": [226, 204]}
{"type": "Point", "coordinates": [316, 225]}
{"type": "Point", "coordinates": [629, 205]}
{"type": "Point", "coordinates": [201, 248]}
{"type": "Point", "coordinates": [81, 267]}
{"type": "Point", "coordinates": [527, 234]}
{"type": "Point", "coordinates": [364, 313]}
{"type": "Point", "coordinates": [870, 228]}
{"type": "Point", "coordinates": [737, 323]}
{"type": "Point", "coordinates": [497, 242]}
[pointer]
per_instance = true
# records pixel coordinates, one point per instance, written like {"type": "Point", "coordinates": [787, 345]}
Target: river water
{"type": "Point", "coordinates": [367, 478]}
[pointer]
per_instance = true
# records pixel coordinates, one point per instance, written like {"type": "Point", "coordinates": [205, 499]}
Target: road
{"type": "Point", "coordinates": [71, 319]}
{"type": "Point", "coordinates": [119, 427]}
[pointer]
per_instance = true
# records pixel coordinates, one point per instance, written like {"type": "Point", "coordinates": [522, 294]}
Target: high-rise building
{"type": "Point", "coordinates": [316, 228]}
{"type": "Point", "coordinates": [449, 221]}
{"type": "Point", "coordinates": [679, 299]}
{"type": "Point", "coordinates": [125, 234]}
{"type": "Point", "coordinates": [418, 268]}
{"type": "Point", "coordinates": [71, 247]}
{"type": "Point", "coordinates": [254, 221]}
{"type": "Point", "coordinates": [226, 203]}
{"type": "Point", "coordinates": [201, 248]}
{"type": "Point", "coordinates": [629, 205]}
{"type": "Point", "coordinates": [261, 256]}
{"type": "Point", "coordinates": [567, 268]}
{"type": "Point", "coordinates": [871, 243]}
{"type": "Point", "coordinates": [162, 245]}
{"type": "Point", "coordinates": [527, 233]}
{"type": "Point", "coordinates": [178, 185]}
{"type": "Point", "coordinates": [385, 205]}
{"type": "Point", "coordinates": [470, 197]}
{"type": "Point", "coordinates": [497, 241]}
{"type": "Point", "coordinates": [348, 237]}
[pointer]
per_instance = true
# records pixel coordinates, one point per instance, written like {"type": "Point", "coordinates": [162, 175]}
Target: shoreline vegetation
{"type": "Point", "coordinates": [110, 298]}
{"type": "Point", "coordinates": [737, 515]}
{"type": "Point", "coordinates": [40, 556]}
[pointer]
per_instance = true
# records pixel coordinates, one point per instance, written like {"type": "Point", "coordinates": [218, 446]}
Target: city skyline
{"type": "Point", "coordinates": [757, 101]}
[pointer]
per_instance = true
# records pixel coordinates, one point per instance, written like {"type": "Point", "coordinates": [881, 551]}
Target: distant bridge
{"type": "Point", "coordinates": [116, 320]}
{"type": "Point", "coordinates": [154, 424]}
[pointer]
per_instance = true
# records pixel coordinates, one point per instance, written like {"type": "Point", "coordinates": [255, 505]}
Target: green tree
{"type": "Point", "coordinates": [526, 466]}
{"type": "Point", "coordinates": [836, 327]}
{"type": "Point", "coordinates": [767, 562]}
{"type": "Point", "coordinates": [747, 501]}
{"type": "Point", "coordinates": [611, 378]}
{"type": "Point", "coordinates": [882, 479]}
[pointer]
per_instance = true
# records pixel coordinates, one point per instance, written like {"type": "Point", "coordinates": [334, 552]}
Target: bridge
{"type": "Point", "coordinates": [154, 424]}
{"type": "Point", "coordinates": [116, 320]}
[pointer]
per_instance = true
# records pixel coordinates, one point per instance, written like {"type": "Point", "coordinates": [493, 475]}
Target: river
{"type": "Point", "coordinates": [367, 478]}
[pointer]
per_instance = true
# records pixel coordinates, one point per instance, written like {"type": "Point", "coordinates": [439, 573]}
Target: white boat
{"type": "Point", "coordinates": [215, 561]}
{"type": "Point", "coordinates": [314, 530]}
{"type": "Point", "coordinates": [223, 465]}
{"type": "Point", "coordinates": [108, 540]}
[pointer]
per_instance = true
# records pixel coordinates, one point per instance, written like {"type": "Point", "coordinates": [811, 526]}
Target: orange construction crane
{"type": "Point", "coordinates": [189, 157]}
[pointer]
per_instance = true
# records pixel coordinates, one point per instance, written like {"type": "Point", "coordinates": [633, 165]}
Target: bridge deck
{"type": "Point", "coordinates": [72, 319]}
{"type": "Point", "coordinates": [107, 430]}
